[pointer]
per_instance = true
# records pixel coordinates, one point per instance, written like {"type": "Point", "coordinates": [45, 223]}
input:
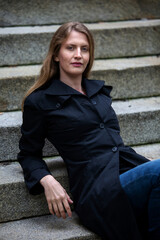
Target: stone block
{"type": "Point", "coordinates": [14, 13]}
{"type": "Point", "coordinates": [29, 45]}
{"type": "Point", "coordinates": [130, 78]}
{"type": "Point", "coordinates": [139, 122]}
{"type": "Point", "coordinates": [17, 203]}
{"type": "Point", "coordinates": [45, 228]}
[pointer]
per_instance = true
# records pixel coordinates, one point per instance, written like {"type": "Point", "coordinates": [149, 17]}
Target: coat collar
{"type": "Point", "coordinates": [59, 88]}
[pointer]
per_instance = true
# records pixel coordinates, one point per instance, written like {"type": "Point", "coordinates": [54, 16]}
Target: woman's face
{"type": "Point", "coordinates": [73, 56]}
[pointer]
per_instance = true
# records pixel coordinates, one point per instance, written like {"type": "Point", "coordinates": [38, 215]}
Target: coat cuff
{"type": "Point", "coordinates": [33, 181]}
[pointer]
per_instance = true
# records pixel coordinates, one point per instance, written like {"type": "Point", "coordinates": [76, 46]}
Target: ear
{"type": "Point", "coordinates": [56, 59]}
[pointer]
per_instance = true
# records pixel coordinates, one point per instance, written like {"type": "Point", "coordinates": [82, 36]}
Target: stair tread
{"type": "Point", "coordinates": [91, 26]}
{"type": "Point", "coordinates": [45, 227]}
{"type": "Point", "coordinates": [138, 119]}
{"type": "Point", "coordinates": [14, 119]}
{"type": "Point", "coordinates": [13, 171]}
{"type": "Point", "coordinates": [17, 203]}
{"type": "Point", "coordinates": [48, 12]}
{"type": "Point", "coordinates": [99, 65]}
{"type": "Point", "coordinates": [130, 77]}
{"type": "Point", "coordinates": [125, 38]}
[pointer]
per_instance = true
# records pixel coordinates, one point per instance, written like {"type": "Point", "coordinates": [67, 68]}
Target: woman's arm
{"type": "Point", "coordinates": [36, 173]}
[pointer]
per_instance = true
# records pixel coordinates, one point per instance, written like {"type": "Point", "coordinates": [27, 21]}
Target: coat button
{"type": "Point", "coordinates": [114, 149]}
{"type": "Point", "coordinates": [94, 102]}
{"type": "Point", "coordinates": [58, 105]}
{"type": "Point", "coordinates": [101, 125]}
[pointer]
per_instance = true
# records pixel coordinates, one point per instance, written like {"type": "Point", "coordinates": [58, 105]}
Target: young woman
{"type": "Point", "coordinates": [113, 187]}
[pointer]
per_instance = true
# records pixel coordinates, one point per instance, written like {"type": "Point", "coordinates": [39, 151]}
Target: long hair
{"type": "Point", "coordinates": [50, 68]}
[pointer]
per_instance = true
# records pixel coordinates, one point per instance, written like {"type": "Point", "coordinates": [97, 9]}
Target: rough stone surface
{"type": "Point", "coordinates": [14, 82]}
{"type": "Point", "coordinates": [58, 11]}
{"type": "Point", "coordinates": [139, 122]}
{"type": "Point", "coordinates": [29, 45]}
{"type": "Point", "coordinates": [17, 203]}
{"type": "Point", "coordinates": [130, 78]}
{"type": "Point", "coordinates": [46, 228]}
{"type": "Point", "coordinates": [138, 77]}
{"type": "Point", "coordinates": [150, 151]}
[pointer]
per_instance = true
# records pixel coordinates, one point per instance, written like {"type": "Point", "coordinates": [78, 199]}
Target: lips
{"type": "Point", "coordinates": [77, 64]}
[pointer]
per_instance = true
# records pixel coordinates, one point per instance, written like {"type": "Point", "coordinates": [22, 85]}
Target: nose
{"type": "Point", "coordinates": [78, 53]}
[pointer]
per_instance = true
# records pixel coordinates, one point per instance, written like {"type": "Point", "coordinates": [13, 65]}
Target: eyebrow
{"type": "Point", "coordinates": [71, 44]}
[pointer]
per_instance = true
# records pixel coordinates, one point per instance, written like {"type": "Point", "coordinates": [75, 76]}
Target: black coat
{"type": "Point", "coordinates": [86, 133]}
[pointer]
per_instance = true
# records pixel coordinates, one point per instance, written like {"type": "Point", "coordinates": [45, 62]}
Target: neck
{"type": "Point", "coordinates": [74, 82]}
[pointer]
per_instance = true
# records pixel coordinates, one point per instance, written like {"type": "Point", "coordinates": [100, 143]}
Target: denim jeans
{"type": "Point", "coordinates": [142, 186]}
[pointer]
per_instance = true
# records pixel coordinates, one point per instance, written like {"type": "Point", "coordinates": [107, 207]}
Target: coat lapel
{"type": "Point", "coordinates": [59, 88]}
{"type": "Point", "coordinates": [94, 86]}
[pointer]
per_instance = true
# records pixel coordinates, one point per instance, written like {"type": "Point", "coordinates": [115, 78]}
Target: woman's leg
{"type": "Point", "coordinates": [142, 186]}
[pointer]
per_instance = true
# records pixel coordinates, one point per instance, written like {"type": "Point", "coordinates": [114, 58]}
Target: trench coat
{"type": "Point", "coordinates": [85, 131]}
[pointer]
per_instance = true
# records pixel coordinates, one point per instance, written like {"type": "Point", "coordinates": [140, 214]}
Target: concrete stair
{"type": "Point", "coordinates": [138, 118]}
{"type": "Point", "coordinates": [25, 12]}
{"type": "Point", "coordinates": [119, 39]}
{"type": "Point", "coordinates": [139, 76]}
{"type": "Point", "coordinates": [46, 228]}
{"type": "Point", "coordinates": [127, 38]}
{"type": "Point", "coordinates": [17, 203]}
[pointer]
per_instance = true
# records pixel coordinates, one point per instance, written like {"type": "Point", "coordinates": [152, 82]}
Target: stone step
{"type": "Point", "coordinates": [46, 228]}
{"type": "Point", "coordinates": [139, 121]}
{"type": "Point", "coordinates": [56, 12]}
{"type": "Point", "coordinates": [17, 203]}
{"type": "Point", "coordinates": [130, 78]}
{"type": "Point", "coordinates": [29, 45]}
{"type": "Point", "coordinates": [14, 193]}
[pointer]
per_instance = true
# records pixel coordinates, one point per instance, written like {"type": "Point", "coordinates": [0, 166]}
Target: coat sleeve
{"type": "Point", "coordinates": [31, 144]}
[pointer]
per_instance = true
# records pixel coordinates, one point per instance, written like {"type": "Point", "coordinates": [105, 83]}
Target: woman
{"type": "Point", "coordinates": [76, 116]}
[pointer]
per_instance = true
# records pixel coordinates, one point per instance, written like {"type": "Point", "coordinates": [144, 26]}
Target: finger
{"type": "Point", "coordinates": [68, 197]}
{"type": "Point", "coordinates": [61, 210]}
{"type": "Point", "coordinates": [50, 208]}
{"type": "Point", "coordinates": [67, 207]}
{"type": "Point", "coordinates": [55, 207]}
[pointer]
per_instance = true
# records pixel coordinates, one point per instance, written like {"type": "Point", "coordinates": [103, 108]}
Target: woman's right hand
{"type": "Point", "coordinates": [57, 198]}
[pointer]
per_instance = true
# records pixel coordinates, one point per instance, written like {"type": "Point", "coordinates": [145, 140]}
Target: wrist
{"type": "Point", "coordinates": [46, 179]}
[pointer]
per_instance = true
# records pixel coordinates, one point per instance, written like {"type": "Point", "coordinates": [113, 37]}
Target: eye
{"type": "Point", "coordinates": [70, 47]}
{"type": "Point", "coordinates": [85, 49]}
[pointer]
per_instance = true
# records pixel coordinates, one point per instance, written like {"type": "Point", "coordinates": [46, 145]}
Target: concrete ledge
{"type": "Point", "coordinates": [139, 121]}
{"type": "Point", "coordinates": [17, 203]}
{"type": "Point", "coordinates": [45, 228]}
{"type": "Point", "coordinates": [130, 78]}
{"type": "Point", "coordinates": [56, 12]}
{"type": "Point", "coordinates": [150, 151]}
{"type": "Point", "coordinates": [29, 45]}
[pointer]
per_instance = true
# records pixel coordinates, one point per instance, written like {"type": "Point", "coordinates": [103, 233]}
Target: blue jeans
{"type": "Point", "coordinates": [142, 186]}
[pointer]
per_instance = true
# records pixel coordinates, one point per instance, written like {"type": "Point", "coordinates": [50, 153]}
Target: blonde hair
{"type": "Point", "coordinates": [50, 68]}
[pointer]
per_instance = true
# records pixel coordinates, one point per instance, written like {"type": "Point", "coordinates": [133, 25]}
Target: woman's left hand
{"type": "Point", "coordinates": [57, 198]}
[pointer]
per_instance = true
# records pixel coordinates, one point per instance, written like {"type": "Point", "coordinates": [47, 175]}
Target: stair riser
{"type": "Point", "coordinates": [132, 82]}
{"type": "Point", "coordinates": [140, 128]}
{"type": "Point", "coordinates": [127, 83]}
{"type": "Point", "coordinates": [17, 203]}
{"type": "Point", "coordinates": [31, 48]}
{"type": "Point", "coordinates": [57, 12]}
{"type": "Point", "coordinates": [136, 128]}
{"type": "Point", "coordinates": [45, 228]}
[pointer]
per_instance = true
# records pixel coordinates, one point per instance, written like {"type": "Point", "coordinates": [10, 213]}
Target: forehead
{"type": "Point", "coordinates": [76, 38]}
